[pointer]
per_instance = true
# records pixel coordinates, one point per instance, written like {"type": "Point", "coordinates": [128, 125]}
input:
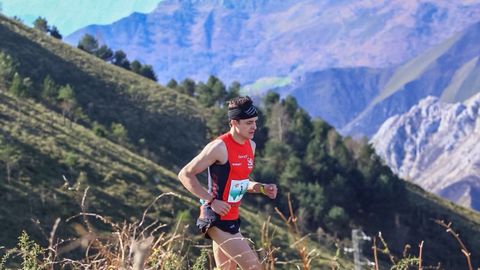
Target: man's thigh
{"type": "Point", "coordinates": [236, 247]}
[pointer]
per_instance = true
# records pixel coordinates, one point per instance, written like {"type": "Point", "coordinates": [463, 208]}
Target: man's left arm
{"type": "Point", "coordinates": [269, 190]}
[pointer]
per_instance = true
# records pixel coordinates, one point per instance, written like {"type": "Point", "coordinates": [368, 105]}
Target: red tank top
{"type": "Point", "coordinates": [229, 182]}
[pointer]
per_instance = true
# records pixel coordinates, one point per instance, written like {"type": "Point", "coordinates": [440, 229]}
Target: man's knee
{"type": "Point", "coordinates": [250, 262]}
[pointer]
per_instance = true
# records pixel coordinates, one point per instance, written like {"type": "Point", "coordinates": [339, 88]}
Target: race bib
{"type": "Point", "coordinates": [237, 189]}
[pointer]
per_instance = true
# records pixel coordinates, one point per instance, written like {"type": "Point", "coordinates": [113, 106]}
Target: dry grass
{"type": "Point", "coordinates": [147, 244]}
{"type": "Point", "coordinates": [409, 261]}
{"type": "Point", "coordinates": [137, 245]}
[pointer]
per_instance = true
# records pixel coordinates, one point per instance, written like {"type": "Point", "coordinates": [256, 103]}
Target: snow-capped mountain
{"type": "Point", "coordinates": [436, 145]}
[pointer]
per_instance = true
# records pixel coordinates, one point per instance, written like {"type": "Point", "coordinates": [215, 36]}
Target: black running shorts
{"type": "Point", "coordinates": [208, 218]}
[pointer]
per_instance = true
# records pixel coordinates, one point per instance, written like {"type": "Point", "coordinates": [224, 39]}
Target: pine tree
{"type": "Point", "coordinates": [119, 132]}
{"type": "Point", "coordinates": [120, 59]}
{"type": "Point", "coordinates": [187, 87]}
{"type": "Point", "coordinates": [41, 24]}
{"type": "Point", "coordinates": [49, 90]}
{"type": "Point", "coordinates": [147, 72]}
{"type": "Point", "coordinates": [104, 53]}
{"type": "Point", "coordinates": [55, 33]}
{"type": "Point", "coordinates": [17, 87]}
{"type": "Point", "coordinates": [172, 84]}
{"type": "Point", "coordinates": [7, 69]}
{"type": "Point", "coordinates": [10, 156]}
{"type": "Point", "coordinates": [66, 97]}
{"type": "Point", "coordinates": [88, 43]}
{"type": "Point", "coordinates": [136, 67]}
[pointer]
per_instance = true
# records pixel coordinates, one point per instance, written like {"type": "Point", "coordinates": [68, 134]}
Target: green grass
{"type": "Point", "coordinates": [121, 182]}
{"type": "Point", "coordinates": [263, 84]}
{"type": "Point", "coordinates": [170, 124]}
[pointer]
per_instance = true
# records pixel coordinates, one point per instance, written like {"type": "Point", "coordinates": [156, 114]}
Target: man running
{"type": "Point", "coordinates": [229, 160]}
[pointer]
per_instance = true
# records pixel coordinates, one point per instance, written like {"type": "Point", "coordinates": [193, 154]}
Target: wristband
{"type": "Point", "coordinates": [262, 189]}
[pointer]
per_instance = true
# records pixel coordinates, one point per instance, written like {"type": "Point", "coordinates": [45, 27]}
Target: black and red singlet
{"type": "Point", "coordinates": [229, 182]}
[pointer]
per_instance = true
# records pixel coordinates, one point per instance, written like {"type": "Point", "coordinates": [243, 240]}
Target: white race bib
{"type": "Point", "coordinates": [237, 189]}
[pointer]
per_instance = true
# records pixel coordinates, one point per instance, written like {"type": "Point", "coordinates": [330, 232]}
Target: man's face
{"type": "Point", "coordinates": [246, 127]}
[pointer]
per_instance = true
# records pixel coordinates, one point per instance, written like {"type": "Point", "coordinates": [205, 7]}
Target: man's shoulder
{"type": "Point", "coordinates": [216, 145]}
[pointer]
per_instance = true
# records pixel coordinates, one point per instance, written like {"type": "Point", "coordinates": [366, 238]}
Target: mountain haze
{"type": "Point", "coordinates": [449, 70]}
{"type": "Point", "coordinates": [249, 40]}
{"type": "Point", "coordinates": [358, 100]}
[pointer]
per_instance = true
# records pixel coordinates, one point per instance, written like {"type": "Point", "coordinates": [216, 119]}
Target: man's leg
{"type": "Point", "coordinates": [221, 260]}
{"type": "Point", "coordinates": [235, 247]}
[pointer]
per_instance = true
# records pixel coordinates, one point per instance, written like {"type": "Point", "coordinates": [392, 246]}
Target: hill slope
{"type": "Point", "coordinates": [449, 71]}
{"type": "Point", "coordinates": [43, 147]}
{"type": "Point", "coordinates": [157, 120]}
{"type": "Point", "coordinates": [358, 100]}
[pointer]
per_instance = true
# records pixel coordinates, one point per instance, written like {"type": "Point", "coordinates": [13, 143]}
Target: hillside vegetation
{"type": "Point", "coordinates": [108, 94]}
{"type": "Point", "coordinates": [64, 112]}
{"type": "Point", "coordinates": [41, 143]}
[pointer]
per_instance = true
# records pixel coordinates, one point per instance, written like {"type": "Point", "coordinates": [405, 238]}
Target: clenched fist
{"type": "Point", "coordinates": [220, 207]}
{"type": "Point", "coordinates": [270, 190]}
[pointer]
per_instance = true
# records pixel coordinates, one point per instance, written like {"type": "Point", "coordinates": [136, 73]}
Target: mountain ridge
{"type": "Point", "coordinates": [248, 43]}
{"type": "Point", "coordinates": [434, 145]}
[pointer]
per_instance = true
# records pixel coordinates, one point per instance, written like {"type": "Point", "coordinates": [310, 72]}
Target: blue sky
{"type": "Point", "coordinates": [71, 15]}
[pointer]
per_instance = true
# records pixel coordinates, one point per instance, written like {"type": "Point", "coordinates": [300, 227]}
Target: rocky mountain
{"type": "Point", "coordinates": [337, 95]}
{"type": "Point", "coordinates": [358, 100]}
{"type": "Point", "coordinates": [435, 144]}
{"type": "Point", "coordinates": [253, 40]}
{"type": "Point", "coordinates": [449, 71]}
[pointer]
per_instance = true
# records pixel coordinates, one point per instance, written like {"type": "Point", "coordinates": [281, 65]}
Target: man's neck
{"type": "Point", "coordinates": [237, 137]}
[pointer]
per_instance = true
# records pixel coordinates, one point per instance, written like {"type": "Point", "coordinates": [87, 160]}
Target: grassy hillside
{"type": "Point", "coordinates": [161, 122]}
{"type": "Point", "coordinates": [42, 147]}
{"type": "Point", "coordinates": [121, 182]}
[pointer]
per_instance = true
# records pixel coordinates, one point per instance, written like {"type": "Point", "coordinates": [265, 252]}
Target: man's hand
{"type": "Point", "coordinates": [220, 207]}
{"type": "Point", "coordinates": [270, 190]}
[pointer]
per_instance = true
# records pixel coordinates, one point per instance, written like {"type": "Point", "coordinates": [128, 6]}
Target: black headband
{"type": "Point", "coordinates": [242, 113]}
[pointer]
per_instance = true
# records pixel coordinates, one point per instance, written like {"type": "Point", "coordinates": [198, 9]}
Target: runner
{"type": "Point", "coordinates": [229, 160]}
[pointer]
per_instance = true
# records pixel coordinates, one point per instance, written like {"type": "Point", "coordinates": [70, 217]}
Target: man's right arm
{"type": "Point", "coordinates": [215, 151]}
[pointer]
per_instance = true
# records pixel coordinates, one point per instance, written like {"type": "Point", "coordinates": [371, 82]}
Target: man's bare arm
{"type": "Point", "coordinates": [188, 175]}
{"type": "Point", "coordinates": [215, 151]}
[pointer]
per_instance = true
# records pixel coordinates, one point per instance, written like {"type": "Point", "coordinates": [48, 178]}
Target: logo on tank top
{"type": "Point", "coordinates": [250, 163]}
